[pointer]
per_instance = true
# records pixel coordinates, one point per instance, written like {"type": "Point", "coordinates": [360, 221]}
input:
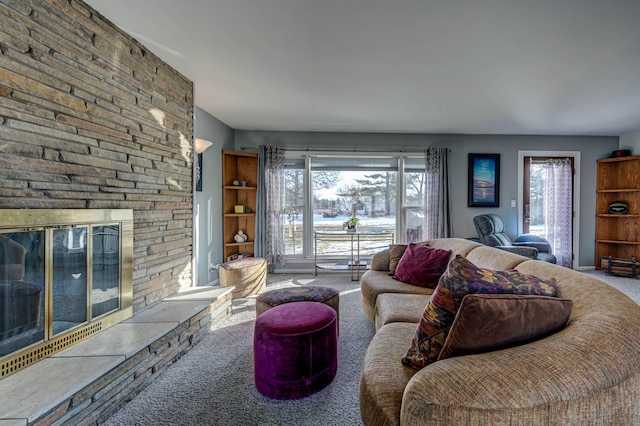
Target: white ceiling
{"type": "Point", "coordinates": [562, 67]}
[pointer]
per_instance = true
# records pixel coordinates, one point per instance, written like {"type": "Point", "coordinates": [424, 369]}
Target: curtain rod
{"type": "Point", "coordinates": [356, 150]}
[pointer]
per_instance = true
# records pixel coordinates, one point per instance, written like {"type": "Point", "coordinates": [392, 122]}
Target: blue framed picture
{"type": "Point", "coordinates": [484, 180]}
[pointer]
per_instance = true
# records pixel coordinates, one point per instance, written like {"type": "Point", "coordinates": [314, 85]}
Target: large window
{"type": "Point", "coordinates": [384, 192]}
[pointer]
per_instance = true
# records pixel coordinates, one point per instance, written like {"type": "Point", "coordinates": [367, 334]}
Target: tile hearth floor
{"type": "Point", "coordinates": [34, 391]}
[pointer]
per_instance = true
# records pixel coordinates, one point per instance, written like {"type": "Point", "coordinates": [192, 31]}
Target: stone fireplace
{"type": "Point", "coordinates": [64, 276]}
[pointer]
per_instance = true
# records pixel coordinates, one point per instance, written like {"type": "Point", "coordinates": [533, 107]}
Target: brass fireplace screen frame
{"type": "Point", "coordinates": [49, 220]}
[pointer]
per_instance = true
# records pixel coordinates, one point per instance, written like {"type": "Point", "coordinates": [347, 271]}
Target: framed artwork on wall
{"type": "Point", "coordinates": [484, 180]}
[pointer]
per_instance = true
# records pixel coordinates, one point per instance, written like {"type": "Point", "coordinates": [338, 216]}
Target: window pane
{"type": "Point", "coordinates": [536, 199]}
{"type": "Point", "coordinates": [414, 188]}
{"type": "Point", "coordinates": [414, 219]}
{"type": "Point", "coordinates": [294, 208]}
{"type": "Point", "coordinates": [370, 195]}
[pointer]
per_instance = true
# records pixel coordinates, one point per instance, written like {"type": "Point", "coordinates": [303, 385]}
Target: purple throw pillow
{"type": "Point", "coordinates": [422, 265]}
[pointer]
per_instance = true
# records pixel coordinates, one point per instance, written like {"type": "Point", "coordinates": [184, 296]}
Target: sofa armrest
{"type": "Point", "coordinates": [530, 252]}
{"type": "Point", "coordinates": [541, 247]}
{"type": "Point", "coordinates": [531, 240]}
{"type": "Point", "coordinates": [380, 261]}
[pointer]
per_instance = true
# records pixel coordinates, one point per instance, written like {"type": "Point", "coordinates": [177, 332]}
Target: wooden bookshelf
{"type": "Point", "coordinates": [617, 235]}
{"type": "Point", "coordinates": [239, 167]}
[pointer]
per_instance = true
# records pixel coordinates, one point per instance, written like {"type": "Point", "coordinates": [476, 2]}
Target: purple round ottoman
{"type": "Point", "coordinates": [295, 350]}
{"type": "Point", "coordinates": [308, 293]}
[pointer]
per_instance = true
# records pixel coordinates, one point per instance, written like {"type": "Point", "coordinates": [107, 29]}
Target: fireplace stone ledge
{"type": "Point", "coordinates": [87, 382]}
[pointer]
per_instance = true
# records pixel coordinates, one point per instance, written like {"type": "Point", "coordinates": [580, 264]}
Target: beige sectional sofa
{"type": "Point", "coordinates": [586, 374]}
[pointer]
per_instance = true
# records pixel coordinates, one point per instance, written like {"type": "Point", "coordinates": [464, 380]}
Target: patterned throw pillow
{"type": "Point", "coordinates": [422, 265]}
{"type": "Point", "coordinates": [462, 278]}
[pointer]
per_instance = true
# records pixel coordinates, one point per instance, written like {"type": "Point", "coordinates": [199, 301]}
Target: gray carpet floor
{"type": "Point", "coordinates": [213, 383]}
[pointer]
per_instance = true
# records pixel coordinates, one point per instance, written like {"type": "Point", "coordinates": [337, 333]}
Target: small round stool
{"type": "Point", "coordinates": [309, 293]}
{"type": "Point", "coordinates": [295, 350]}
{"type": "Point", "coordinates": [247, 275]}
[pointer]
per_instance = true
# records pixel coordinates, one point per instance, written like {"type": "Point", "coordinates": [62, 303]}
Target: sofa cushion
{"type": "Point", "coordinates": [487, 322]}
{"type": "Point", "coordinates": [422, 265]}
{"type": "Point", "coordinates": [383, 378]}
{"type": "Point", "coordinates": [399, 307]}
{"type": "Point", "coordinates": [375, 283]}
{"type": "Point", "coordinates": [395, 254]}
{"type": "Point", "coordinates": [461, 278]}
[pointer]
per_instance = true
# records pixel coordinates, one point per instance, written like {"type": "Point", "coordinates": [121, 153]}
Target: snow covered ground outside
{"type": "Point", "coordinates": [340, 246]}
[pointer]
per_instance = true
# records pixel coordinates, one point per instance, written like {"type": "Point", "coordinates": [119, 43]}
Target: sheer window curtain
{"type": "Point", "coordinates": [437, 196]}
{"type": "Point", "coordinates": [270, 209]}
{"type": "Point", "coordinates": [558, 209]}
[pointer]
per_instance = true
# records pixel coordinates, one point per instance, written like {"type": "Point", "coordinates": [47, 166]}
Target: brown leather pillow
{"type": "Point", "coordinates": [487, 322]}
{"type": "Point", "coordinates": [395, 254]}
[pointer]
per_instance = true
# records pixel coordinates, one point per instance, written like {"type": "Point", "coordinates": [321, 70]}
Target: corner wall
{"type": "Point", "coordinates": [208, 212]}
{"type": "Point", "coordinates": [631, 141]}
{"type": "Point", "coordinates": [90, 119]}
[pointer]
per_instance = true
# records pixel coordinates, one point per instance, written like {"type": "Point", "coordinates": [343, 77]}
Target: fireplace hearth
{"type": "Point", "coordinates": [64, 276]}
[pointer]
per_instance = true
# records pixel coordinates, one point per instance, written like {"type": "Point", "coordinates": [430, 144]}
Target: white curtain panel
{"type": "Point", "coordinates": [558, 209]}
{"type": "Point", "coordinates": [274, 185]}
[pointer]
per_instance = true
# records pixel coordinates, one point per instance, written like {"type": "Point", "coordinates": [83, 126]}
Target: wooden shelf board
{"type": "Point", "coordinates": [240, 188]}
{"type": "Point", "coordinates": [237, 244]}
{"type": "Point", "coordinates": [619, 216]}
{"type": "Point", "coordinates": [618, 242]}
{"type": "Point", "coordinates": [619, 159]}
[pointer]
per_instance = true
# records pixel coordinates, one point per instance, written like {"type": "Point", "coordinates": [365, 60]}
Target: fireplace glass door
{"type": "Point", "coordinates": [69, 278]}
{"type": "Point", "coordinates": [65, 275]}
{"type": "Point", "coordinates": [85, 281]}
{"type": "Point", "coordinates": [22, 288]}
{"type": "Point", "coordinates": [106, 271]}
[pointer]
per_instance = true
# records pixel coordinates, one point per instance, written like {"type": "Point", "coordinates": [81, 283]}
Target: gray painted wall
{"type": "Point", "coordinates": [591, 148]}
{"type": "Point", "coordinates": [208, 203]}
{"type": "Point", "coordinates": [631, 141]}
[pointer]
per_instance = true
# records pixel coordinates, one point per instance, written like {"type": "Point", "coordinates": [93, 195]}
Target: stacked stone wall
{"type": "Point", "coordinates": [90, 119]}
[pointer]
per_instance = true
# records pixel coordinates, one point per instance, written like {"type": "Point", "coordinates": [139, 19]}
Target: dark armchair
{"type": "Point", "coordinates": [490, 229]}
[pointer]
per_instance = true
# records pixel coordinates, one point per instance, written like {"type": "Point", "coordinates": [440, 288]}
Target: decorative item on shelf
{"type": "Point", "coordinates": [238, 208]}
{"type": "Point", "coordinates": [351, 225]}
{"type": "Point", "coordinates": [247, 210]}
{"type": "Point", "coordinates": [621, 153]}
{"type": "Point", "coordinates": [618, 207]}
{"type": "Point", "coordinates": [236, 183]}
{"type": "Point", "coordinates": [244, 183]}
{"type": "Point", "coordinates": [240, 237]}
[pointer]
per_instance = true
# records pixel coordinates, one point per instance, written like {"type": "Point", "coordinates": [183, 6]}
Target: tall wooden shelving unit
{"type": "Point", "coordinates": [618, 235]}
{"type": "Point", "coordinates": [239, 167]}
